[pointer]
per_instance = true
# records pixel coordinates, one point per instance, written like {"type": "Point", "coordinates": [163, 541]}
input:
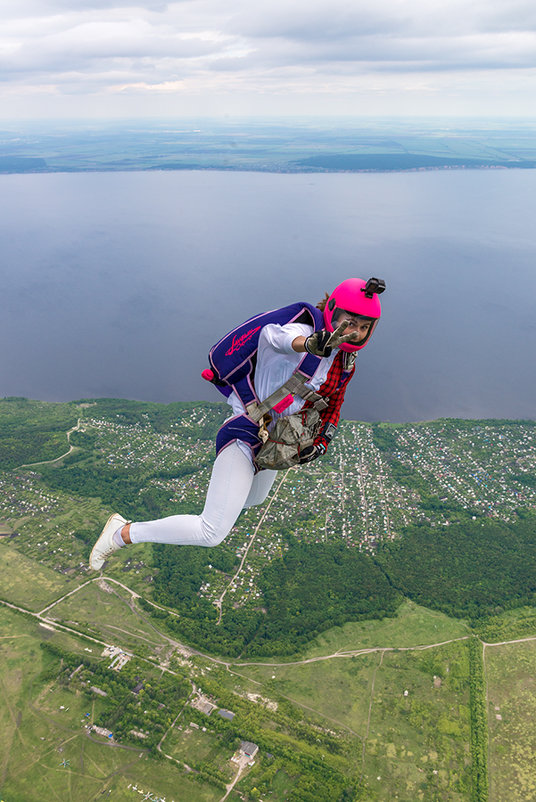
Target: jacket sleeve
{"type": "Point", "coordinates": [280, 338]}
{"type": "Point", "coordinates": [330, 416]}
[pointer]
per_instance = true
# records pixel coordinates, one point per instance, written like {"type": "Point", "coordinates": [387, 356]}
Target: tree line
{"type": "Point", "coordinates": [479, 724]}
{"type": "Point", "coordinates": [471, 571]}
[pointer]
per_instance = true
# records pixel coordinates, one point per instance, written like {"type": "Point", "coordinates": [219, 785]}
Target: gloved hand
{"type": "Point", "coordinates": [311, 453]}
{"type": "Point", "coordinates": [322, 343]}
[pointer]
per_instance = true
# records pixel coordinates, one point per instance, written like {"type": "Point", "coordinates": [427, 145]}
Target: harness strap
{"type": "Point", "coordinates": [294, 386]}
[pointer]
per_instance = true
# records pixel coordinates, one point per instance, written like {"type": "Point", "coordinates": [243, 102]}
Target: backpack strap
{"type": "Point", "coordinates": [245, 389]}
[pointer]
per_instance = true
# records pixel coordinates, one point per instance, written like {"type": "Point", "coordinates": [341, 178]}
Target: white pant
{"type": "Point", "coordinates": [233, 486]}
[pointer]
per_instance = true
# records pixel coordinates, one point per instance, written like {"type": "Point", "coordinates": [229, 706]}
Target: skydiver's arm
{"type": "Point", "coordinates": [282, 338]}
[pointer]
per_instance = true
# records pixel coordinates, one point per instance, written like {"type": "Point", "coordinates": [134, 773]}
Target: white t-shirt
{"type": "Point", "coordinates": [276, 362]}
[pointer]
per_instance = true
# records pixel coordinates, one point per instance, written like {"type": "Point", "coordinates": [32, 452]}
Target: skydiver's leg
{"type": "Point", "coordinates": [231, 485]}
{"type": "Point", "coordinates": [260, 487]}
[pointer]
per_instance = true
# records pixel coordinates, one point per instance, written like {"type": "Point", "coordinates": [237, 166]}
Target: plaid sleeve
{"type": "Point", "coordinates": [331, 415]}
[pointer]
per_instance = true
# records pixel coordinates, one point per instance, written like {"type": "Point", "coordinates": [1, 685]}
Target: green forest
{"type": "Point", "coordinates": [472, 572]}
{"type": "Point", "coordinates": [479, 727]}
{"type": "Point", "coordinates": [308, 590]}
{"type": "Point", "coordinates": [33, 430]}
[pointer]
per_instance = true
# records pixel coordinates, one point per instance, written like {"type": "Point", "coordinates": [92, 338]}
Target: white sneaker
{"type": "Point", "coordinates": [105, 545]}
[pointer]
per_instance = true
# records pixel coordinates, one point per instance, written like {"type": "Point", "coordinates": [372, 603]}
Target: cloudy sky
{"type": "Point", "coordinates": [115, 58]}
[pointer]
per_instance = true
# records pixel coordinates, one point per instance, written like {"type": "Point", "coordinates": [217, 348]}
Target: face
{"type": "Point", "coordinates": [358, 326]}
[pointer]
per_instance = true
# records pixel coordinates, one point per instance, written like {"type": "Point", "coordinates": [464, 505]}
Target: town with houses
{"type": "Point", "coordinates": [354, 494]}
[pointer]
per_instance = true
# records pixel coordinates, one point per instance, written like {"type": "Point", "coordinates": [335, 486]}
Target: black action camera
{"type": "Point", "coordinates": [373, 285]}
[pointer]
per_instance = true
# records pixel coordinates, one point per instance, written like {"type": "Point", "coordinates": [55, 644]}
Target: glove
{"type": "Point", "coordinates": [326, 436]}
{"type": "Point", "coordinates": [311, 453]}
{"type": "Point", "coordinates": [322, 343]}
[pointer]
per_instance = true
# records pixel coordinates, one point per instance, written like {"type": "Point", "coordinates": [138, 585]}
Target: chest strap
{"type": "Point", "coordinates": [294, 386]}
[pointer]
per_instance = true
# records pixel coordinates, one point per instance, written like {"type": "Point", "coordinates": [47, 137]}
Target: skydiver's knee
{"type": "Point", "coordinates": [212, 535]}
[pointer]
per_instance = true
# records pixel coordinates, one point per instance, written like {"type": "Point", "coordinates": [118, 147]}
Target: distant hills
{"type": "Point", "coordinates": [293, 147]}
{"type": "Point", "coordinates": [379, 162]}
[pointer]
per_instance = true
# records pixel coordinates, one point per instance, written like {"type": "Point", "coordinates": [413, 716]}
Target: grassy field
{"type": "Point", "coordinates": [509, 625]}
{"type": "Point", "coordinates": [42, 725]}
{"type": "Point", "coordinates": [25, 582]}
{"type": "Point", "coordinates": [338, 690]}
{"type": "Point", "coordinates": [189, 744]}
{"type": "Point", "coordinates": [411, 626]}
{"type": "Point", "coordinates": [402, 711]}
{"type": "Point", "coordinates": [416, 744]}
{"type": "Point", "coordinates": [511, 678]}
{"type": "Point", "coordinates": [105, 611]}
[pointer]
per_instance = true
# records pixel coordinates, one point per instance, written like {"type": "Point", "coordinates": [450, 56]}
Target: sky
{"type": "Point", "coordinates": [69, 59]}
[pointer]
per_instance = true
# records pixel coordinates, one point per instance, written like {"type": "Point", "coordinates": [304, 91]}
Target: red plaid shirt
{"type": "Point", "coordinates": [334, 388]}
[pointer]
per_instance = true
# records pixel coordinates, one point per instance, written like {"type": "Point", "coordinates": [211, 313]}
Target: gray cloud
{"type": "Point", "coordinates": [191, 46]}
{"type": "Point", "coordinates": [319, 19]}
{"type": "Point", "coordinates": [449, 35]}
{"type": "Point", "coordinates": [371, 53]}
{"type": "Point", "coordinates": [40, 8]}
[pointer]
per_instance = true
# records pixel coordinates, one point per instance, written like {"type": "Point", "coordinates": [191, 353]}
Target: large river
{"type": "Point", "coordinates": [116, 284]}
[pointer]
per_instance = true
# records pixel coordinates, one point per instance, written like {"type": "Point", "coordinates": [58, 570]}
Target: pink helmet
{"type": "Point", "coordinates": [356, 297]}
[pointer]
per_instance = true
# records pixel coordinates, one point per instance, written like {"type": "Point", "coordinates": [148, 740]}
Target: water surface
{"type": "Point", "coordinates": [117, 284]}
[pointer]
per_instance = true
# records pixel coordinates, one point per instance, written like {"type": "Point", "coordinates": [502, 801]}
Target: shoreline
{"type": "Point", "coordinates": [267, 170]}
{"type": "Point", "coordinates": [83, 403]}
